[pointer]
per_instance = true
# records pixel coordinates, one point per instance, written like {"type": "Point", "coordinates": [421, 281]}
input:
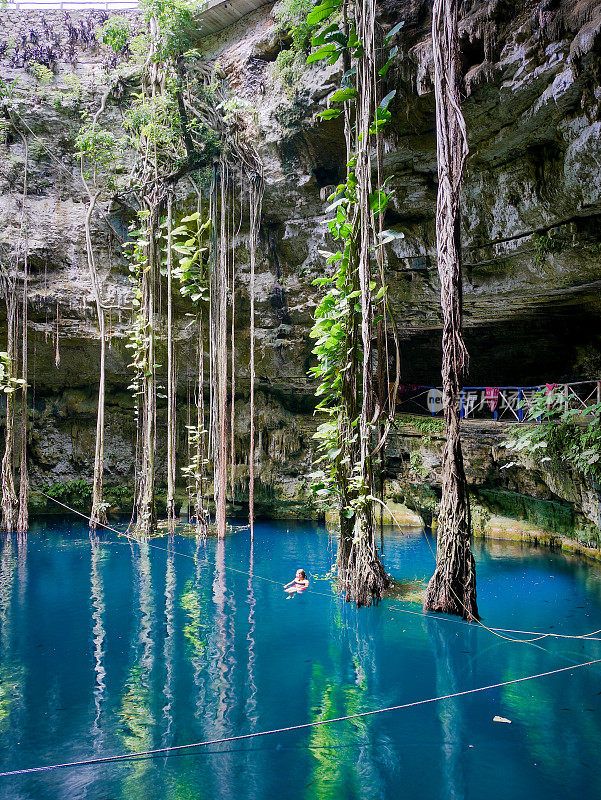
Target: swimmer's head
{"type": "Point", "coordinates": [300, 575]}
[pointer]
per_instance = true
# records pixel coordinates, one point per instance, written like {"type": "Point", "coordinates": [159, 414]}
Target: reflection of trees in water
{"type": "Point", "coordinates": [136, 713]}
{"type": "Point", "coordinates": [255, 764]}
{"type": "Point", "coordinates": [222, 659]}
{"type": "Point", "coordinates": [342, 754]}
{"type": "Point", "coordinates": [450, 711]}
{"type": "Point", "coordinates": [251, 701]}
{"type": "Point", "coordinates": [8, 566]}
{"type": "Point", "coordinates": [169, 644]}
{"type": "Point", "coordinates": [221, 695]}
{"type": "Point", "coordinates": [22, 569]}
{"type": "Point", "coordinates": [194, 603]}
{"type": "Point", "coordinates": [13, 584]}
{"type": "Point", "coordinates": [98, 637]}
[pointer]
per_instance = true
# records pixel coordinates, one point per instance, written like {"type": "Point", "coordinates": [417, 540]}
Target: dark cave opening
{"type": "Point", "coordinates": [562, 344]}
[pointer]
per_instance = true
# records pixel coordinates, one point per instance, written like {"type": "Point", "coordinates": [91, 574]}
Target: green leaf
{"type": "Point", "coordinates": [330, 113]}
{"type": "Point", "coordinates": [386, 100]}
{"type": "Point", "coordinates": [391, 56]}
{"type": "Point", "coordinates": [378, 201]}
{"type": "Point", "coordinates": [323, 36]}
{"type": "Point", "coordinates": [325, 51]}
{"type": "Point", "coordinates": [382, 118]}
{"type": "Point", "coordinates": [322, 11]}
{"type": "Point", "coordinates": [341, 95]}
{"type": "Point", "coordinates": [393, 31]}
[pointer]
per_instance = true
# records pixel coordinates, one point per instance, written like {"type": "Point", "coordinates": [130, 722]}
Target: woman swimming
{"type": "Point", "coordinates": [298, 585]}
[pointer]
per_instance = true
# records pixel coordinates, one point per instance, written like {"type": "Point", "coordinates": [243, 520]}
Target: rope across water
{"type": "Point", "coordinates": [167, 751]}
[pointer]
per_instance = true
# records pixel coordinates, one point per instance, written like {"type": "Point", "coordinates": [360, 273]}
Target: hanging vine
{"type": "Point", "coordinates": [96, 149]}
{"type": "Point", "coordinates": [344, 318]}
{"type": "Point", "coordinates": [191, 248]}
{"type": "Point", "coordinates": [171, 377]}
{"type": "Point", "coordinates": [14, 510]}
{"type": "Point", "coordinates": [452, 588]}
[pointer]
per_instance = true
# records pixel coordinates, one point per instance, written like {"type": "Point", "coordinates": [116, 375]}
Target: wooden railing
{"type": "Point", "coordinates": [502, 403]}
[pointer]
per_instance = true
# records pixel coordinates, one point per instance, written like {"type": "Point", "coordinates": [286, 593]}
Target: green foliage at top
{"type": "Point", "coordinates": [43, 74]}
{"type": "Point", "coordinates": [7, 91]}
{"type": "Point", "coordinates": [156, 121]}
{"type": "Point", "coordinates": [291, 17]}
{"type": "Point", "coordinates": [288, 68]}
{"type": "Point", "coordinates": [176, 23]}
{"type": "Point", "coordinates": [115, 33]}
{"type": "Point", "coordinates": [565, 438]}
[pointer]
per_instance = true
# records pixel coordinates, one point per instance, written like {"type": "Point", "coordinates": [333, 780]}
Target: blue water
{"type": "Point", "coordinates": [125, 648]}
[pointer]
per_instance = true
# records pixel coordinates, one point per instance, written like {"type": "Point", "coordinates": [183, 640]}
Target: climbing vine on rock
{"type": "Point", "coordinates": [355, 298]}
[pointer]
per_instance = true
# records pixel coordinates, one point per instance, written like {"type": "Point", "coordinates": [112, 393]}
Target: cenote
{"type": "Point", "coordinates": [307, 291]}
{"type": "Point", "coordinates": [129, 647]}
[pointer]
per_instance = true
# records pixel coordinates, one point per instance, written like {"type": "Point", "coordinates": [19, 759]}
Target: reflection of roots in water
{"type": "Point", "coordinates": [22, 567]}
{"type": "Point", "coordinates": [169, 646]}
{"type": "Point", "coordinates": [450, 716]}
{"type": "Point", "coordinates": [222, 662]}
{"type": "Point", "coordinates": [147, 614]}
{"type": "Point", "coordinates": [13, 583]}
{"type": "Point", "coordinates": [99, 638]}
{"type": "Point", "coordinates": [137, 720]}
{"type": "Point", "coordinates": [8, 564]}
{"type": "Point", "coordinates": [251, 703]}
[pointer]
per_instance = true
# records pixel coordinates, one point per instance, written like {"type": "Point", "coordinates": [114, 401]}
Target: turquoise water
{"type": "Point", "coordinates": [121, 648]}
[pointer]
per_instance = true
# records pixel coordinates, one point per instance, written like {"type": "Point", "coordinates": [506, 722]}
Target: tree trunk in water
{"type": "Point", "coordinates": [452, 588]}
{"type": "Point", "coordinates": [98, 514]}
{"type": "Point", "coordinates": [145, 508]}
{"type": "Point", "coordinates": [255, 203]}
{"type": "Point", "coordinates": [219, 348]}
{"type": "Point", "coordinates": [202, 517]}
{"type": "Point", "coordinates": [10, 504]}
{"type": "Point", "coordinates": [171, 410]}
{"type": "Point", "coordinates": [23, 518]}
{"type": "Point", "coordinates": [360, 571]}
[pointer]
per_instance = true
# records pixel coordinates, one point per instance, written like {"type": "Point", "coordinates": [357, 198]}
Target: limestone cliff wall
{"type": "Point", "coordinates": [530, 225]}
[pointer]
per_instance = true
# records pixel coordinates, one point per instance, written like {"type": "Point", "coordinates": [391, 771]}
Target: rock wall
{"type": "Point", "coordinates": [530, 229]}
